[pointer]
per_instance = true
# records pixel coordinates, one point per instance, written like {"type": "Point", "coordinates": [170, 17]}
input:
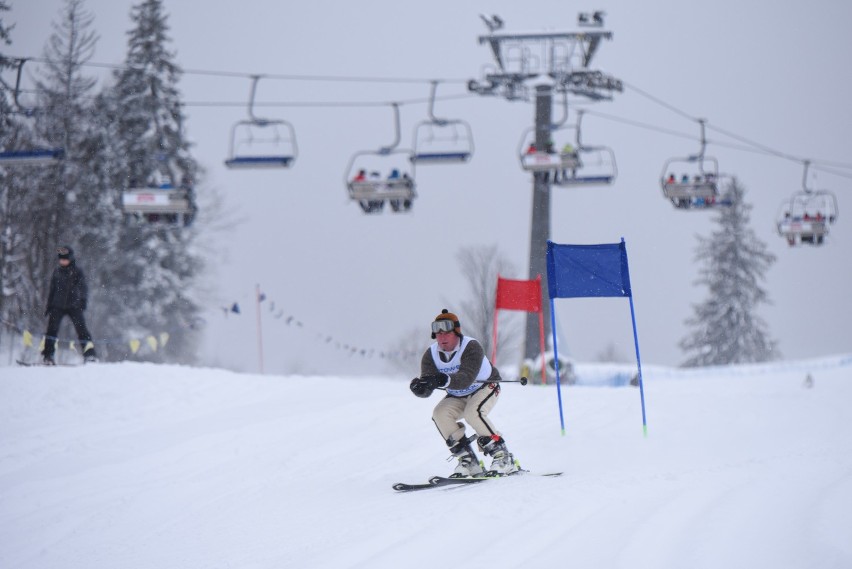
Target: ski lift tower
{"type": "Point", "coordinates": [550, 62]}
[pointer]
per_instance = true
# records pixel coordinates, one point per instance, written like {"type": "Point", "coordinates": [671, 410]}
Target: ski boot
{"type": "Point", "coordinates": [469, 465]}
{"type": "Point", "coordinates": [48, 360]}
{"type": "Point", "coordinates": [89, 355]}
{"type": "Point", "coordinates": [502, 462]}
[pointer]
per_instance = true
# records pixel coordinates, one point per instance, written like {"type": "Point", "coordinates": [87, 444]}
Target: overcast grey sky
{"type": "Point", "coordinates": [771, 73]}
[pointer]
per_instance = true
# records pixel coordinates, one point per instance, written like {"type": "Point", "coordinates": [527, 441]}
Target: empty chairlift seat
{"type": "Point", "coordinates": [262, 144]}
{"type": "Point", "coordinates": [31, 156]}
{"type": "Point", "coordinates": [439, 140]}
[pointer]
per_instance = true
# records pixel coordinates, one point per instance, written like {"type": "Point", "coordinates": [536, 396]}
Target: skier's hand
{"type": "Point", "coordinates": [436, 379]}
{"type": "Point", "coordinates": [425, 385]}
{"type": "Point", "coordinates": [420, 388]}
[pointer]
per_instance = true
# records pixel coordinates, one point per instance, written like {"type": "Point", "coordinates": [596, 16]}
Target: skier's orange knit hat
{"type": "Point", "coordinates": [447, 315]}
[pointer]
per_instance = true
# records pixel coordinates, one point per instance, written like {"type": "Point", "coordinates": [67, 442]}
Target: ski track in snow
{"type": "Point", "coordinates": [139, 466]}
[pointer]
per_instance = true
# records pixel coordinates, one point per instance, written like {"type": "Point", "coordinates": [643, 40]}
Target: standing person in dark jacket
{"type": "Point", "coordinates": [68, 296]}
{"type": "Point", "coordinates": [457, 363]}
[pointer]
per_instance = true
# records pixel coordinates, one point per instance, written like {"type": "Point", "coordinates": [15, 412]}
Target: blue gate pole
{"type": "Point", "coordinates": [557, 366]}
{"type": "Point", "coordinates": [639, 364]}
{"type": "Point", "coordinates": [626, 269]}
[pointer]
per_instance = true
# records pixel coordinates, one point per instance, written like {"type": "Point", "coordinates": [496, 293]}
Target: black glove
{"type": "Point", "coordinates": [420, 388]}
{"type": "Point", "coordinates": [436, 379]}
{"type": "Point", "coordinates": [425, 385]}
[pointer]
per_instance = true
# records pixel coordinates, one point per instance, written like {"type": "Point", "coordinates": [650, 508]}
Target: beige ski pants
{"type": "Point", "coordinates": [473, 409]}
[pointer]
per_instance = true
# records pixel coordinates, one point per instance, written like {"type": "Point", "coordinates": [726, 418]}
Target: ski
{"type": "Point", "coordinates": [36, 364]}
{"type": "Point", "coordinates": [403, 487]}
{"type": "Point", "coordinates": [459, 479]}
{"type": "Point", "coordinates": [443, 481]}
{"type": "Point", "coordinates": [489, 476]}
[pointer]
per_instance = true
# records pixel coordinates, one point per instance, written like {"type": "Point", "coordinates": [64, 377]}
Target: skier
{"type": "Point", "coordinates": [458, 364]}
{"type": "Point", "coordinates": [68, 296]}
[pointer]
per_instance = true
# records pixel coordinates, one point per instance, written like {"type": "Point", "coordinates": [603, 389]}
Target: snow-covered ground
{"type": "Point", "coordinates": [144, 466]}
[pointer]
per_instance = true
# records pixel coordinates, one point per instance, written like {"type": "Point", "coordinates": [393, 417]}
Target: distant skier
{"type": "Point", "coordinates": [68, 296]}
{"type": "Point", "coordinates": [458, 364]}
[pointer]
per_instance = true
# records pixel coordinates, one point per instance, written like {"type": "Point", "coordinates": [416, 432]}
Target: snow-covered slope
{"type": "Point", "coordinates": [143, 466]}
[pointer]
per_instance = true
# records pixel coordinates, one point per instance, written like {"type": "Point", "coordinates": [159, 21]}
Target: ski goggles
{"type": "Point", "coordinates": [443, 326]}
{"type": "Point", "coordinates": [62, 250]}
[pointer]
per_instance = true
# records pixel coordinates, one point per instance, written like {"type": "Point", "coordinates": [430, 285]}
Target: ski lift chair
{"type": "Point", "coordinates": [31, 157]}
{"type": "Point", "coordinates": [441, 141]}
{"type": "Point", "coordinates": [447, 142]}
{"type": "Point", "coordinates": [595, 166]}
{"type": "Point", "coordinates": [582, 166]}
{"type": "Point", "coordinates": [259, 142]}
{"type": "Point", "coordinates": [370, 180]}
{"type": "Point", "coordinates": [262, 144]}
{"type": "Point", "coordinates": [806, 217]}
{"type": "Point", "coordinates": [164, 204]}
{"type": "Point", "coordinates": [27, 156]}
{"type": "Point", "coordinates": [692, 182]}
{"type": "Point", "coordinates": [375, 176]}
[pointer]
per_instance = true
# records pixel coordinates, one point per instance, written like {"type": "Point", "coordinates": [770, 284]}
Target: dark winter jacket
{"type": "Point", "coordinates": [471, 363]}
{"type": "Point", "coordinates": [68, 289]}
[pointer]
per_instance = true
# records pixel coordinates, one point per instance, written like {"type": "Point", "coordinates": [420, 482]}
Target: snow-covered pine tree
{"type": "Point", "coordinates": [12, 133]}
{"type": "Point", "coordinates": [150, 280]}
{"type": "Point", "coordinates": [5, 63]}
{"type": "Point", "coordinates": [726, 328]}
{"type": "Point", "coordinates": [40, 200]}
{"type": "Point", "coordinates": [63, 111]}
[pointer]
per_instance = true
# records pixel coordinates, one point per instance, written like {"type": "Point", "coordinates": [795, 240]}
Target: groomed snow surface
{"type": "Point", "coordinates": [146, 466]}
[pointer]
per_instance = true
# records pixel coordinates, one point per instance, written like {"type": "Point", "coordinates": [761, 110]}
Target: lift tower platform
{"type": "Point", "coordinates": [539, 64]}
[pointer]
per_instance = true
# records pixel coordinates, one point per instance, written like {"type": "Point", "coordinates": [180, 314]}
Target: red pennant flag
{"type": "Point", "coordinates": [518, 295]}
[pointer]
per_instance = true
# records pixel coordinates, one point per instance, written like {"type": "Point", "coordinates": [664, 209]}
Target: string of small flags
{"type": "Point", "coordinates": [319, 335]}
{"type": "Point", "coordinates": [147, 344]}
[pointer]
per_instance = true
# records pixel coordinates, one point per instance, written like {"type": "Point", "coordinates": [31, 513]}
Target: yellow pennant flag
{"type": "Point", "coordinates": [72, 346]}
{"type": "Point", "coordinates": [41, 345]}
{"type": "Point", "coordinates": [164, 339]}
{"type": "Point", "coordinates": [28, 338]}
{"type": "Point", "coordinates": [152, 341]}
{"type": "Point", "coordinates": [134, 345]}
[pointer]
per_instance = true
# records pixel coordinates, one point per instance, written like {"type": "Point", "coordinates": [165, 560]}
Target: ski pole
{"type": "Point", "coordinates": [522, 381]}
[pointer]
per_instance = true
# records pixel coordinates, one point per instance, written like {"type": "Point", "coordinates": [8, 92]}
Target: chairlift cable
{"type": "Point", "coordinates": [660, 101]}
{"type": "Point", "coordinates": [821, 165]}
{"type": "Point", "coordinates": [755, 145]}
{"type": "Point", "coordinates": [326, 104]}
{"type": "Point", "coordinates": [829, 170]}
{"type": "Point", "coordinates": [762, 147]}
{"type": "Point", "coordinates": [639, 124]}
{"type": "Point", "coordinates": [280, 76]}
{"type": "Point", "coordinates": [304, 104]}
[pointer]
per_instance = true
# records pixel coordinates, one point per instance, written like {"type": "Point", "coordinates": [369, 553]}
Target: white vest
{"type": "Point", "coordinates": [454, 364]}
